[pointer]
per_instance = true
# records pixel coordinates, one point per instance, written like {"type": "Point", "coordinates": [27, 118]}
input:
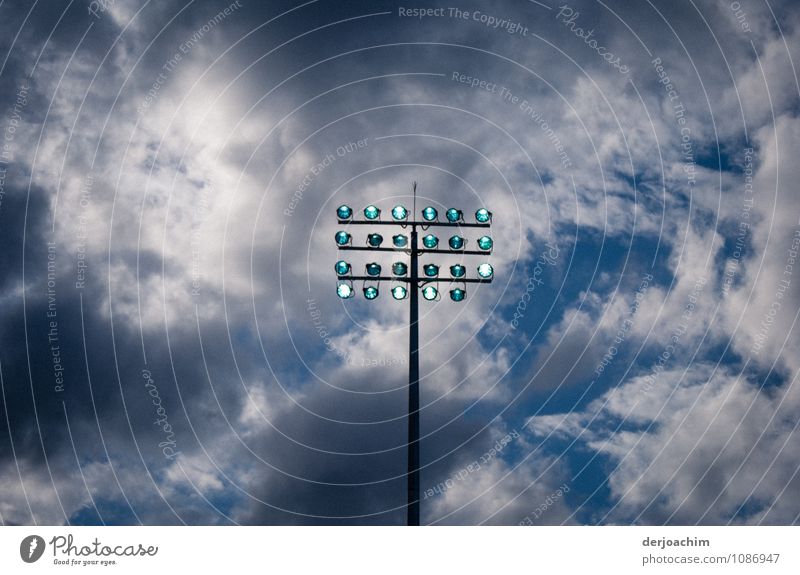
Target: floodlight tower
{"type": "Point", "coordinates": [409, 275]}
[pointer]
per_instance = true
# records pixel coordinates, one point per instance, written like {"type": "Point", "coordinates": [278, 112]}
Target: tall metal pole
{"type": "Point", "coordinates": [414, 281]}
{"type": "Point", "coordinates": [413, 383]}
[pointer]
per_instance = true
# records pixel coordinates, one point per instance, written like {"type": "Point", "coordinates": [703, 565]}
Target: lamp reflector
{"type": "Point", "coordinates": [342, 238]}
{"type": "Point", "coordinates": [430, 214]}
{"type": "Point", "coordinates": [399, 212]}
{"type": "Point", "coordinates": [456, 243]}
{"type": "Point", "coordinates": [458, 294]}
{"type": "Point", "coordinates": [458, 271]}
{"type": "Point", "coordinates": [430, 241]}
{"type": "Point", "coordinates": [431, 270]}
{"type": "Point", "coordinates": [485, 243]}
{"type": "Point", "coordinates": [344, 291]}
{"type": "Point", "coordinates": [483, 215]}
{"type": "Point", "coordinates": [454, 215]}
{"type": "Point", "coordinates": [399, 292]}
{"type": "Point", "coordinates": [342, 268]}
{"type": "Point", "coordinates": [344, 212]}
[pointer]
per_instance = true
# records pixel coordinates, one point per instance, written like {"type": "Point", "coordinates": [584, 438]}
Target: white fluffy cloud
{"type": "Point", "coordinates": [700, 445]}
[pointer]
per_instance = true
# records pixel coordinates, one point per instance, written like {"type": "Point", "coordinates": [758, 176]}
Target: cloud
{"type": "Point", "coordinates": [702, 445]}
{"type": "Point", "coordinates": [490, 490]}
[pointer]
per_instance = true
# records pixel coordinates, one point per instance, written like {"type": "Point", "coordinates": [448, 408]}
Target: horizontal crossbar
{"type": "Point", "coordinates": [419, 251]}
{"type": "Point", "coordinates": [421, 224]}
{"type": "Point", "coordinates": [420, 279]}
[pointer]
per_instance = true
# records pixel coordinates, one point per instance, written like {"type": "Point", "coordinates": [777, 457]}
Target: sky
{"type": "Point", "coordinates": [172, 347]}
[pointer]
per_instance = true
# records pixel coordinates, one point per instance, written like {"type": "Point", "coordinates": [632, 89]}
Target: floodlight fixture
{"type": "Point", "coordinates": [344, 291]}
{"type": "Point", "coordinates": [342, 268]}
{"type": "Point", "coordinates": [485, 271]}
{"type": "Point", "coordinates": [430, 214]}
{"type": "Point", "coordinates": [454, 215]}
{"type": "Point", "coordinates": [456, 243]}
{"type": "Point", "coordinates": [409, 279]}
{"type": "Point", "coordinates": [483, 216]}
{"type": "Point", "coordinates": [343, 238]}
{"type": "Point", "coordinates": [344, 212]}
{"type": "Point", "coordinates": [399, 292]}
{"type": "Point", "coordinates": [458, 294]}
{"type": "Point", "coordinates": [399, 213]}
{"type": "Point", "coordinates": [430, 241]}
{"type": "Point", "coordinates": [429, 292]}
{"type": "Point", "coordinates": [458, 271]}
